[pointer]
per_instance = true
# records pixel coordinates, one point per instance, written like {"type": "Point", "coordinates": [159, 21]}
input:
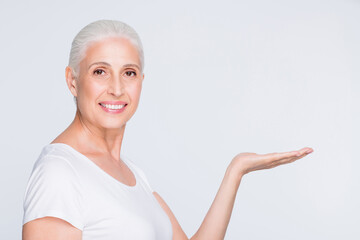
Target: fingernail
{"type": "Point", "coordinates": [309, 151]}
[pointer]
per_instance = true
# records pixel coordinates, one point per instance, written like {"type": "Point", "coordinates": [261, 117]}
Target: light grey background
{"type": "Point", "coordinates": [220, 78]}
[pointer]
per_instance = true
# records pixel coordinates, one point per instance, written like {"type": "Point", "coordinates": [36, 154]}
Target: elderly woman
{"type": "Point", "coordinates": [83, 187]}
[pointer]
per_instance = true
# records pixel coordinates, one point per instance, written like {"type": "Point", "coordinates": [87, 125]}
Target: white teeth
{"type": "Point", "coordinates": [110, 106]}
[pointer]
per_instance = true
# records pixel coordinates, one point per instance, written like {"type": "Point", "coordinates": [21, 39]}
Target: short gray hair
{"type": "Point", "coordinates": [97, 31]}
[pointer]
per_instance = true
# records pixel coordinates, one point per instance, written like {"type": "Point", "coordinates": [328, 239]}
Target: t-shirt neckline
{"type": "Point", "coordinates": [100, 169]}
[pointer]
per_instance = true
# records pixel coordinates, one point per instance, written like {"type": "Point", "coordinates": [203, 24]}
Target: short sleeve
{"type": "Point", "coordinates": [54, 190]}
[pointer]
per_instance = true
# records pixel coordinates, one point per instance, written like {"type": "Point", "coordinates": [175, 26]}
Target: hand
{"type": "Point", "coordinates": [244, 163]}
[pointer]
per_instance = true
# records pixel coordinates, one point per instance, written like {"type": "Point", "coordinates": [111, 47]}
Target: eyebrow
{"type": "Point", "coordinates": [109, 65]}
{"type": "Point", "coordinates": [99, 63]}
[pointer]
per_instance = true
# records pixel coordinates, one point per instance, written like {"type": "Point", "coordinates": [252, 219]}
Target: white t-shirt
{"type": "Point", "coordinates": [66, 184]}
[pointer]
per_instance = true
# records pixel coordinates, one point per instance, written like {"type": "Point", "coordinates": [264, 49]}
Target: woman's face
{"type": "Point", "coordinates": [109, 84]}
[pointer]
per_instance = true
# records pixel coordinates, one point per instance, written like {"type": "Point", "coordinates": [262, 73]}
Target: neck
{"type": "Point", "coordinates": [93, 139]}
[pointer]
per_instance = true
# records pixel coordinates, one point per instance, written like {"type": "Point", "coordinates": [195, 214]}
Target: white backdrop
{"type": "Point", "coordinates": [220, 78]}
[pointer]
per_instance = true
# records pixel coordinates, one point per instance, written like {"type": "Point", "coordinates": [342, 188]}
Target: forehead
{"type": "Point", "coordinates": [114, 50]}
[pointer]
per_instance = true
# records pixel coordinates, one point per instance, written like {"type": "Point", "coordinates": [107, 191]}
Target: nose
{"type": "Point", "coordinates": [116, 86]}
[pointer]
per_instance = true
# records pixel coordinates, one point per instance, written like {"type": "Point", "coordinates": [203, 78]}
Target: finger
{"type": "Point", "coordinates": [284, 161]}
{"type": "Point", "coordinates": [278, 156]}
{"type": "Point", "coordinates": [305, 150]}
{"type": "Point", "coordinates": [281, 162]}
{"type": "Point", "coordinates": [287, 160]}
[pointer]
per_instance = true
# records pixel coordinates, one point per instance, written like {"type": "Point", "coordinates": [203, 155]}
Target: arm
{"type": "Point", "coordinates": [50, 228]}
{"type": "Point", "coordinates": [178, 233]}
{"type": "Point", "coordinates": [217, 219]}
{"type": "Point", "coordinates": [52, 201]}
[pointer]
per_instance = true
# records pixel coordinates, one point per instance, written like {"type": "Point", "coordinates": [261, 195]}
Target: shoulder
{"type": "Point", "coordinates": [52, 170]}
{"type": "Point", "coordinates": [131, 164]}
{"type": "Point", "coordinates": [138, 171]}
{"type": "Point", "coordinates": [134, 167]}
{"type": "Point", "coordinates": [53, 189]}
{"type": "Point", "coordinates": [53, 162]}
{"type": "Point", "coordinates": [58, 156]}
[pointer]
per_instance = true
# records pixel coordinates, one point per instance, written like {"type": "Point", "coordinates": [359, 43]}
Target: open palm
{"type": "Point", "coordinates": [248, 162]}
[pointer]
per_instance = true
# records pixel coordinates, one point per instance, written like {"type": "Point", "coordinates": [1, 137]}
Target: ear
{"type": "Point", "coordinates": [71, 81]}
{"type": "Point", "coordinates": [143, 76]}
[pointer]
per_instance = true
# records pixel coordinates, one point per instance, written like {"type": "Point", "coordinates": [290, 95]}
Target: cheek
{"type": "Point", "coordinates": [92, 90]}
{"type": "Point", "coordinates": [135, 91]}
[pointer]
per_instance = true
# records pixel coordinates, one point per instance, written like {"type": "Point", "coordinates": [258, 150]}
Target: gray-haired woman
{"type": "Point", "coordinates": [82, 187]}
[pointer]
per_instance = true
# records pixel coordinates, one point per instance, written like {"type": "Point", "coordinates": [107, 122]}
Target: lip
{"type": "Point", "coordinates": [114, 111]}
{"type": "Point", "coordinates": [114, 102]}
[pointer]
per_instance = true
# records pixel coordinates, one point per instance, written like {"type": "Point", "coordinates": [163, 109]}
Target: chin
{"type": "Point", "coordinates": [113, 125]}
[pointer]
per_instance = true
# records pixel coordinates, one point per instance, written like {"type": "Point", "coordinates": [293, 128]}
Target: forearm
{"type": "Point", "coordinates": [217, 219]}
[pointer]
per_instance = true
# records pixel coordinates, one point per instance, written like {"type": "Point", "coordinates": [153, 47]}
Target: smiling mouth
{"type": "Point", "coordinates": [113, 106]}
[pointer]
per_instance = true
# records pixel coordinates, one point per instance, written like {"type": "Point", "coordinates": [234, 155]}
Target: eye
{"type": "Point", "coordinates": [99, 72]}
{"type": "Point", "coordinates": [130, 73]}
